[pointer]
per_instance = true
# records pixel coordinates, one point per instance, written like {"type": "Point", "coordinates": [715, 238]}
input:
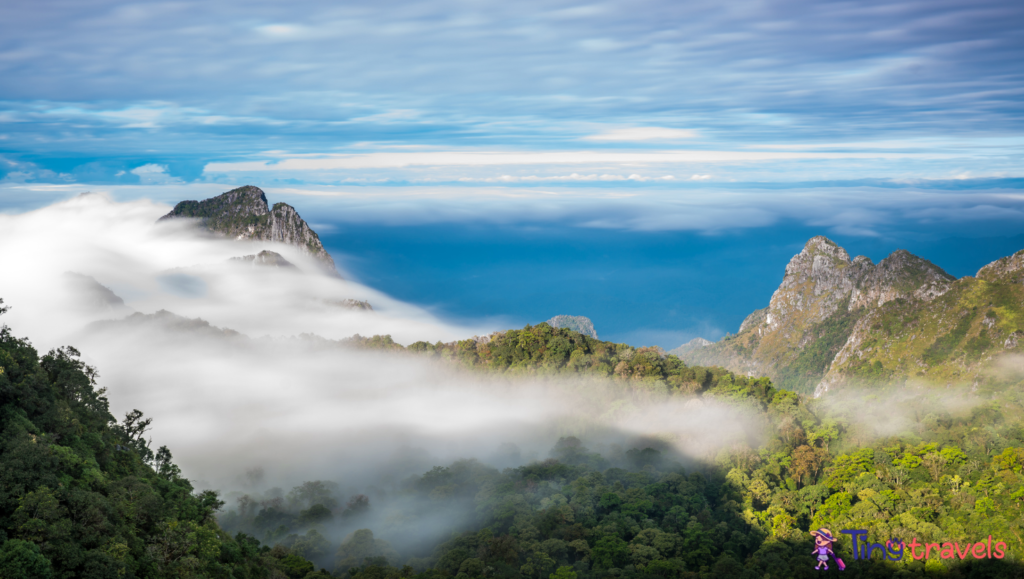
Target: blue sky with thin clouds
{"type": "Point", "coordinates": [893, 123]}
{"type": "Point", "coordinates": [447, 91]}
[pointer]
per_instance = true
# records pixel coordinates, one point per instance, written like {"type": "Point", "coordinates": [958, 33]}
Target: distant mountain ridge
{"type": "Point", "coordinates": [834, 320]}
{"type": "Point", "coordinates": [693, 344]}
{"type": "Point", "coordinates": [244, 213]}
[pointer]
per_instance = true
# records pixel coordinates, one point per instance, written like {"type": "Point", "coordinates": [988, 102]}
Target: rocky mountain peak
{"type": "Point", "coordinates": [581, 324]}
{"type": "Point", "coordinates": [244, 213]}
{"type": "Point", "coordinates": [824, 310]}
{"type": "Point", "coordinates": [822, 276]}
{"type": "Point", "coordinates": [265, 259]}
{"type": "Point", "coordinates": [900, 275]}
{"type": "Point", "coordinates": [1008, 269]}
{"type": "Point", "coordinates": [241, 203]}
{"type": "Point", "coordinates": [820, 261]}
{"type": "Point", "coordinates": [819, 244]}
{"type": "Point", "coordinates": [815, 284]}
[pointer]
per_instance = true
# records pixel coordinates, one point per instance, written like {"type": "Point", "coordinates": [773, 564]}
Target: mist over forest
{"type": "Point", "coordinates": [274, 280]}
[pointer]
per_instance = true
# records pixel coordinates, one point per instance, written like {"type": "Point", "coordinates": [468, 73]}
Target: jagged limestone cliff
{"type": "Point", "coordinates": [244, 213]}
{"type": "Point", "coordinates": [834, 320]}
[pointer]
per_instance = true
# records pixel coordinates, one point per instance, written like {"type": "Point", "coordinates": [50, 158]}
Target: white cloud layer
{"type": "Point", "coordinates": [618, 202]}
{"type": "Point", "coordinates": [498, 158]}
{"type": "Point", "coordinates": [299, 407]}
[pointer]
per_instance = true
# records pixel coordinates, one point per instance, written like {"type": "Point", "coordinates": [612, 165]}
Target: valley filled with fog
{"type": "Point", "coordinates": [248, 379]}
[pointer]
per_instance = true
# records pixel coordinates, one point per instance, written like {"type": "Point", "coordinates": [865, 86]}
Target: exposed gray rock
{"type": "Point", "coordinates": [1012, 341]}
{"type": "Point", "coordinates": [901, 275]}
{"type": "Point", "coordinates": [1006, 269]}
{"type": "Point", "coordinates": [821, 282]}
{"type": "Point", "coordinates": [816, 282]}
{"type": "Point", "coordinates": [244, 213]}
{"type": "Point", "coordinates": [581, 324]}
{"type": "Point", "coordinates": [753, 320]}
{"type": "Point", "coordinates": [821, 277]}
{"type": "Point", "coordinates": [990, 320]}
{"type": "Point", "coordinates": [266, 259]}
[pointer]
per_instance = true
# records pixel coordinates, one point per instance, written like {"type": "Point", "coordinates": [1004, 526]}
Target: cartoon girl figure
{"type": "Point", "coordinates": [823, 541]}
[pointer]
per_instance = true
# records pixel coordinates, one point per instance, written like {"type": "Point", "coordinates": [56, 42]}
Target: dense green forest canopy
{"type": "Point", "coordinates": [938, 466]}
{"type": "Point", "coordinates": [84, 496]}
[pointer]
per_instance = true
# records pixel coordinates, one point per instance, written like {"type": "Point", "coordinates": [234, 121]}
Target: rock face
{"type": "Point", "coordinates": [1007, 269]}
{"type": "Point", "coordinates": [901, 275]}
{"type": "Point", "coordinates": [821, 279]}
{"type": "Point", "coordinates": [581, 324]}
{"type": "Point", "coordinates": [266, 259]}
{"type": "Point", "coordinates": [244, 213]}
{"type": "Point", "coordinates": [828, 315]}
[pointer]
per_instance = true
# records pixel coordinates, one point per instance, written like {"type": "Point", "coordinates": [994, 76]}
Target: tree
{"type": "Point", "coordinates": [935, 462]}
{"type": "Point", "coordinates": [610, 553]}
{"type": "Point", "coordinates": [360, 545]}
{"type": "Point", "coordinates": [563, 573]}
{"type": "Point", "coordinates": [807, 462]}
{"type": "Point", "coordinates": [315, 492]}
{"type": "Point", "coordinates": [23, 560]}
{"type": "Point", "coordinates": [132, 428]}
{"type": "Point", "coordinates": [356, 505]}
{"type": "Point", "coordinates": [314, 515]}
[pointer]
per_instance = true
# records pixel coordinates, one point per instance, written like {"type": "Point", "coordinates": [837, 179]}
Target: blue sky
{"type": "Point", "coordinates": [450, 91]}
{"type": "Point", "coordinates": [657, 124]}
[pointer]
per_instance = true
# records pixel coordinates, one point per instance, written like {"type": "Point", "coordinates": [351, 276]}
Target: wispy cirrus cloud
{"type": "Point", "coordinates": [191, 83]}
{"type": "Point", "coordinates": [642, 134]}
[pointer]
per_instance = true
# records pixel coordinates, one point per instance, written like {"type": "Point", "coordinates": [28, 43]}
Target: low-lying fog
{"type": "Point", "coordinates": [272, 407]}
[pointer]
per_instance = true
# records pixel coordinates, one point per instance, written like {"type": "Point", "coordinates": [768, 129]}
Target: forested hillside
{"type": "Point", "coordinates": [84, 497]}
{"type": "Point", "coordinates": [939, 469]}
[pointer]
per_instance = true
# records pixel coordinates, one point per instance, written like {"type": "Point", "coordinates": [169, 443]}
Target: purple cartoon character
{"type": "Point", "coordinates": [823, 541]}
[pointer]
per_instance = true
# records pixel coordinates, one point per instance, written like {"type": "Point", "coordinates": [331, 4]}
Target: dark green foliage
{"type": "Point", "coordinates": [868, 371]}
{"type": "Point", "coordinates": [230, 212]}
{"type": "Point", "coordinates": [23, 560]}
{"type": "Point", "coordinates": [957, 476]}
{"type": "Point", "coordinates": [315, 515]}
{"type": "Point", "coordinates": [543, 350]}
{"type": "Point", "coordinates": [84, 496]}
{"type": "Point", "coordinates": [977, 345]}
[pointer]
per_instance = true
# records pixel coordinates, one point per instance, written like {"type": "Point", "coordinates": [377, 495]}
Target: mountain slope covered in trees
{"type": "Point", "coordinates": [937, 467]}
{"type": "Point", "coordinates": [82, 496]}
